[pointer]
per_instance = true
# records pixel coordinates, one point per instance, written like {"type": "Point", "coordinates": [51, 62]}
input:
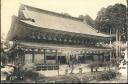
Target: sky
{"type": "Point", "coordinates": [73, 7]}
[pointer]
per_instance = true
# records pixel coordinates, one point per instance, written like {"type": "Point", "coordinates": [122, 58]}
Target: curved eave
{"type": "Point", "coordinates": [48, 46]}
{"type": "Point", "coordinates": [62, 32]}
{"type": "Point", "coordinates": [11, 32]}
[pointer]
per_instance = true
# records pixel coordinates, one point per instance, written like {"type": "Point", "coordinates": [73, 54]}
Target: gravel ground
{"type": "Point", "coordinates": [76, 78]}
{"type": "Point", "coordinates": [85, 69]}
{"type": "Point", "coordinates": [85, 77]}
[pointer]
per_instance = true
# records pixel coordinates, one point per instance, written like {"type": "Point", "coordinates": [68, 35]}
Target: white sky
{"type": "Point", "coordinates": [73, 7]}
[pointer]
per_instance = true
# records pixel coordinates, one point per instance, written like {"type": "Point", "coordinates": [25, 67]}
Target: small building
{"type": "Point", "coordinates": [45, 37]}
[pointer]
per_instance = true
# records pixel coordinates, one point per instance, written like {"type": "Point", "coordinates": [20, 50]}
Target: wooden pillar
{"type": "Point", "coordinates": [33, 57]}
{"type": "Point", "coordinates": [56, 57]}
{"type": "Point", "coordinates": [103, 57]}
{"type": "Point", "coordinates": [110, 55]}
{"type": "Point", "coordinates": [116, 43]}
{"type": "Point", "coordinates": [99, 57]}
{"type": "Point", "coordinates": [110, 46]}
{"type": "Point", "coordinates": [119, 50]}
{"type": "Point", "coordinates": [44, 56]}
{"type": "Point", "coordinates": [24, 58]}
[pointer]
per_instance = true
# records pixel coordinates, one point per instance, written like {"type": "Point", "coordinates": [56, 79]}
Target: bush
{"type": "Point", "coordinates": [29, 74]}
{"type": "Point", "coordinates": [108, 75]}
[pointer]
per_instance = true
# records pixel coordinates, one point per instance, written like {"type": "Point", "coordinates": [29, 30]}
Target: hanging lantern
{"type": "Point", "coordinates": [42, 50]}
{"type": "Point", "coordinates": [47, 50]}
{"type": "Point", "coordinates": [53, 50]}
{"type": "Point", "coordinates": [21, 48]}
{"type": "Point", "coordinates": [26, 49]}
{"type": "Point", "coordinates": [65, 40]}
{"type": "Point", "coordinates": [36, 50]}
{"type": "Point", "coordinates": [30, 49]}
{"type": "Point", "coordinates": [60, 39]}
{"type": "Point", "coordinates": [87, 52]}
{"type": "Point", "coordinates": [93, 51]}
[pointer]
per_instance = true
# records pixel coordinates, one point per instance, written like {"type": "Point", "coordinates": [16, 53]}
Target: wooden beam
{"type": "Point", "coordinates": [56, 56]}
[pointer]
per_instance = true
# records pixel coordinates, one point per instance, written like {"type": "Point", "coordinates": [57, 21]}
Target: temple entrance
{"type": "Point", "coordinates": [62, 59]}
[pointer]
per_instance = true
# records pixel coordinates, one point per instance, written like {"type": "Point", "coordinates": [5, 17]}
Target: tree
{"type": "Point", "coordinates": [88, 19]}
{"type": "Point", "coordinates": [66, 14]}
{"type": "Point", "coordinates": [99, 19]}
{"type": "Point", "coordinates": [3, 54]}
{"type": "Point", "coordinates": [6, 46]}
{"type": "Point", "coordinates": [112, 19]}
{"type": "Point", "coordinates": [81, 16]}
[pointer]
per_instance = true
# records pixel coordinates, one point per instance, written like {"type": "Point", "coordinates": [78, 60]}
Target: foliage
{"type": "Point", "coordinates": [112, 18]}
{"type": "Point", "coordinates": [31, 75]}
{"type": "Point", "coordinates": [25, 73]}
{"type": "Point", "coordinates": [88, 19]}
{"type": "Point", "coordinates": [3, 54]}
{"type": "Point", "coordinates": [109, 75]}
{"type": "Point", "coordinates": [66, 14]}
{"type": "Point", "coordinates": [81, 17]}
{"type": "Point", "coordinates": [6, 48]}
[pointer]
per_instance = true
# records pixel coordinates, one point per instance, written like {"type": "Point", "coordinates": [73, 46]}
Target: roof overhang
{"type": "Point", "coordinates": [59, 47]}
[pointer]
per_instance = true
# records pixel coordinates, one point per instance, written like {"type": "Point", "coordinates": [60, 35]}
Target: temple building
{"type": "Point", "coordinates": [45, 37]}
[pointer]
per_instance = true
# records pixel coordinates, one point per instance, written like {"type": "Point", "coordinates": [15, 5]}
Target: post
{"type": "Point", "coordinates": [119, 44]}
{"type": "Point", "coordinates": [33, 57]}
{"type": "Point", "coordinates": [56, 57]}
{"type": "Point", "coordinates": [91, 68]}
{"type": "Point", "coordinates": [110, 40]}
{"type": "Point", "coordinates": [117, 47]}
{"type": "Point", "coordinates": [116, 43]}
{"type": "Point", "coordinates": [57, 62]}
{"type": "Point", "coordinates": [110, 63]}
{"type": "Point", "coordinates": [44, 57]}
{"type": "Point", "coordinates": [58, 71]}
{"type": "Point", "coordinates": [110, 48]}
{"type": "Point", "coordinates": [127, 29]}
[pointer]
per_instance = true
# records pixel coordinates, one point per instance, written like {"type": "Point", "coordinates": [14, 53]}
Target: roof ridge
{"type": "Point", "coordinates": [55, 13]}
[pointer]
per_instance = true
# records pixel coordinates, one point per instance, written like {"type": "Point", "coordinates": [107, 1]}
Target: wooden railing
{"type": "Point", "coordinates": [43, 67]}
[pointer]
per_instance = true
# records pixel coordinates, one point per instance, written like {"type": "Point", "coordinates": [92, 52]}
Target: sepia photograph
{"type": "Point", "coordinates": [64, 41]}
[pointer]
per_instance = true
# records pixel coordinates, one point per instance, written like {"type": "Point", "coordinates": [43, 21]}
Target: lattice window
{"type": "Point", "coordinates": [39, 58]}
{"type": "Point", "coordinates": [28, 58]}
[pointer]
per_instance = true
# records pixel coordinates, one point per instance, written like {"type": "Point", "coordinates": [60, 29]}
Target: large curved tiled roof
{"type": "Point", "coordinates": [51, 20]}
